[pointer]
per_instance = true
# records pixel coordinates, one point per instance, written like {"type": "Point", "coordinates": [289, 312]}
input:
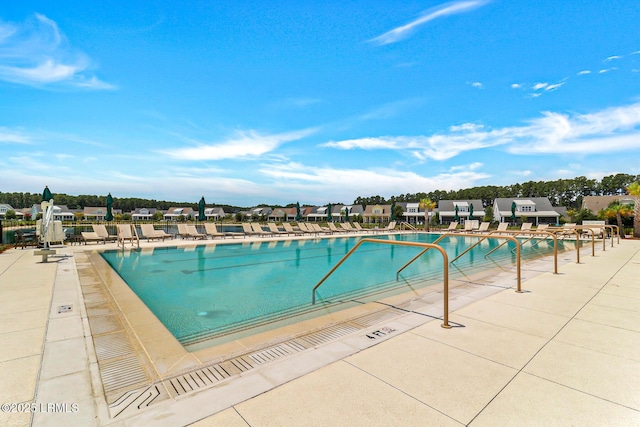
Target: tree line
{"type": "Point", "coordinates": [561, 192]}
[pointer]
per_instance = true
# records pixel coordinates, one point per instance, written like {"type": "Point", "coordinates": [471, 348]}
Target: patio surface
{"type": "Point", "coordinates": [564, 352]}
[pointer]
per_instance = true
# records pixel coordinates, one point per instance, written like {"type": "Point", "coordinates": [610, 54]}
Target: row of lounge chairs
{"type": "Point", "coordinates": [189, 231]}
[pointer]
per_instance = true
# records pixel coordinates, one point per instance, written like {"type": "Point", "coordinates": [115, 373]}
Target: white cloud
{"type": "Point", "coordinates": [539, 86]}
{"type": "Point", "coordinates": [441, 11]}
{"type": "Point", "coordinates": [8, 136]}
{"type": "Point", "coordinates": [612, 58]}
{"type": "Point", "coordinates": [516, 86]}
{"type": "Point", "coordinates": [551, 88]}
{"type": "Point", "coordinates": [243, 144]}
{"type": "Point", "coordinates": [322, 184]}
{"type": "Point", "coordinates": [477, 85]}
{"type": "Point", "coordinates": [614, 129]}
{"type": "Point", "coordinates": [583, 72]}
{"type": "Point", "coordinates": [36, 53]}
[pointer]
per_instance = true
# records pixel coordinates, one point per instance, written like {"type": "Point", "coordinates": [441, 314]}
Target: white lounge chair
{"type": "Point", "coordinates": [101, 230]}
{"type": "Point", "coordinates": [150, 233]}
{"type": "Point", "coordinates": [290, 230]}
{"type": "Point", "coordinates": [212, 230]}
{"type": "Point", "coordinates": [91, 236]}
{"type": "Point", "coordinates": [127, 232]}
{"type": "Point", "coordinates": [273, 228]}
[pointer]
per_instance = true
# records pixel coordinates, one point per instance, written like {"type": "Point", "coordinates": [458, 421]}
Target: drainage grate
{"type": "Point", "coordinates": [122, 373]}
{"type": "Point", "coordinates": [64, 309]}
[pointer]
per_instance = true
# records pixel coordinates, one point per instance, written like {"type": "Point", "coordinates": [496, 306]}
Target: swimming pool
{"type": "Point", "coordinates": [210, 291]}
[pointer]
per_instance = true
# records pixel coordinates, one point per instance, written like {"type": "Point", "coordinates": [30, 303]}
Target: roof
{"type": "Point", "coordinates": [596, 203]}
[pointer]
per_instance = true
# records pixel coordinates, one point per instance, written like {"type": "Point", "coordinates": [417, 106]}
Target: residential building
{"type": "Point", "coordinates": [537, 210]}
{"type": "Point", "coordinates": [460, 210]}
{"type": "Point", "coordinates": [174, 213]}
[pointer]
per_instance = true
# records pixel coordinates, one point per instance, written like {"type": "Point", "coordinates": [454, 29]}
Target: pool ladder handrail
{"type": "Point", "coordinates": [483, 237]}
{"type": "Point", "coordinates": [445, 271]}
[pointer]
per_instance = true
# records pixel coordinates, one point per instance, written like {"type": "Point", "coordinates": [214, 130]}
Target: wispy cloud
{"type": "Point", "coordinates": [612, 58]}
{"type": "Point", "coordinates": [242, 145]}
{"type": "Point", "coordinates": [477, 85]}
{"type": "Point", "coordinates": [613, 129]}
{"type": "Point", "coordinates": [36, 53]}
{"type": "Point", "coordinates": [441, 11]}
{"type": "Point", "coordinates": [583, 72]}
{"type": "Point", "coordinates": [8, 136]}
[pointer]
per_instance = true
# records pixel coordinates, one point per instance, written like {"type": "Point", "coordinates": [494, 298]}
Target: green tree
{"type": "Point", "coordinates": [10, 214]}
{"type": "Point", "coordinates": [427, 205]}
{"type": "Point", "coordinates": [618, 210]}
{"type": "Point", "coordinates": [634, 190]}
{"type": "Point", "coordinates": [157, 216]}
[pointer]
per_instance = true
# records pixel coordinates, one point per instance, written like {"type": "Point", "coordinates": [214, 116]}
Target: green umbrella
{"type": "Point", "coordinates": [456, 216]}
{"type": "Point", "coordinates": [298, 215]}
{"type": "Point", "coordinates": [513, 211]}
{"type": "Point", "coordinates": [346, 213]}
{"type": "Point", "coordinates": [201, 215]}
{"type": "Point", "coordinates": [46, 194]}
{"type": "Point", "coordinates": [329, 212]}
{"type": "Point", "coordinates": [471, 211]}
{"type": "Point", "coordinates": [109, 215]}
{"type": "Point", "coordinates": [393, 212]}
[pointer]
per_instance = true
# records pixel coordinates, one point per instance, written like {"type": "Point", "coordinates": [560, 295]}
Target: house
{"type": "Point", "coordinates": [412, 213]}
{"type": "Point", "coordinates": [354, 212]}
{"type": "Point", "coordinates": [214, 214]}
{"type": "Point", "coordinates": [4, 208]}
{"type": "Point", "coordinates": [377, 214]}
{"type": "Point", "coordinates": [318, 214]}
{"type": "Point", "coordinates": [60, 212]}
{"type": "Point", "coordinates": [97, 213]}
{"type": "Point", "coordinates": [460, 210]}
{"type": "Point", "coordinates": [143, 214]}
{"type": "Point", "coordinates": [537, 210]}
{"type": "Point", "coordinates": [597, 203]}
{"type": "Point", "coordinates": [174, 213]}
{"type": "Point", "coordinates": [279, 215]}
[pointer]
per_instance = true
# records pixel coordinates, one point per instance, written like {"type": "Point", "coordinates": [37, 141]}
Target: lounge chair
{"type": "Point", "coordinates": [484, 226]}
{"type": "Point", "coordinates": [101, 231]}
{"type": "Point", "coordinates": [347, 226]}
{"type": "Point", "coordinates": [389, 228]}
{"type": "Point", "coordinates": [258, 231]}
{"type": "Point", "coordinates": [503, 226]}
{"type": "Point", "coordinates": [335, 229]}
{"type": "Point", "coordinates": [247, 229]}
{"type": "Point", "coordinates": [92, 236]}
{"type": "Point", "coordinates": [289, 229]}
{"type": "Point", "coordinates": [357, 226]}
{"type": "Point", "coordinates": [453, 226]}
{"type": "Point", "coordinates": [526, 226]}
{"type": "Point", "coordinates": [194, 233]}
{"type": "Point", "coordinates": [542, 227]}
{"type": "Point", "coordinates": [150, 233]}
{"type": "Point", "coordinates": [127, 232]}
{"type": "Point", "coordinates": [316, 227]}
{"type": "Point", "coordinates": [273, 228]}
{"type": "Point", "coordinates": [306, 229]}
{"type": "Point", "coordinates": [212, 230]}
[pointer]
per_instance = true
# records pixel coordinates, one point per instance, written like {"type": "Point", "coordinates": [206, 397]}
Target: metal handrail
{"type": "Point", "coordinates": [445, 270]}
{"type": "Point", "coordinates": [484, 236]}
{"type": "Point", "coordinates": [533, 233]}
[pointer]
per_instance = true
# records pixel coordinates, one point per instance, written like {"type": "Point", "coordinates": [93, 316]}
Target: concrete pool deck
{"type": "Point", "coordinates": [565, 352]}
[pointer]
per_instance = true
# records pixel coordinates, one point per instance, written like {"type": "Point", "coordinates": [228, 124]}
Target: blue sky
{"type": "Point", "coordinates": [249, 102]}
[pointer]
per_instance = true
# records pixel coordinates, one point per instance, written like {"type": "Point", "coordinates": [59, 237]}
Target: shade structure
{"type": "Point", "coordinates": [329, 212]}
{"type": "Point", "coordinates": [298, 215]}
{"type": "Point", "coordinates": [471, 211]}
{"type": "Point", "coordinates": [456, 217]}
{"type": "Point", "coordinates": [513, 211]}
{"type": "Point", "coordinates": [393, 212]}
{"type": "Point", "coordinates": [109, 215]}
{"type": "Point", "coordinates": [201, 205]}
{"type": "Point", "coordinates": [346, 213]}
{"type": "Point", "coordinates": [46, 194]}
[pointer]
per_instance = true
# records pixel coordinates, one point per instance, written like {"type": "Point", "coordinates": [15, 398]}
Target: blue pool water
{"type": "Point", "coordinates": [205, 291]}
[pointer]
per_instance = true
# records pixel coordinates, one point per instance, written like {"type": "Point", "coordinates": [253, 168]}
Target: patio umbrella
{"type": "Point", "coordinates": [109, 215]}
{"type": "Point", "coordinates": [298, 216]}
{"type": "Point", "coordinates": [471, 212]}
{"type": "Point", "coordinates": [393, 212]}
{"type": "Point", "coordinates": [456, 217]}
{"type": "Point", "coordinates": [346, 213]}
{"type": "Point", "coordinates": [46, 194]}
{"type": "Point", "coordinates": [513, 211]}
{"type": "Point", "coordinates": [329, 212]}
{"type": "Point", "coordinates": [201, 215]}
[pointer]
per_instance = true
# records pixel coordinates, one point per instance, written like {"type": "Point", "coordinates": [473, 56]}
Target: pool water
{"type": "Point", "coordinates": [207, 291]}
